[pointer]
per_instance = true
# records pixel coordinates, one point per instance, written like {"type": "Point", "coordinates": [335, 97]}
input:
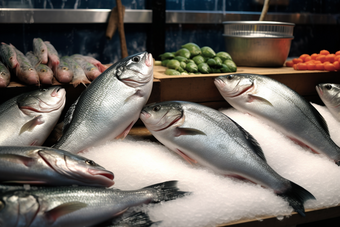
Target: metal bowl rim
{"type": "Point", "coordinates": [259, 22]}
{"type": "Point", "coordinates": [259, 37]}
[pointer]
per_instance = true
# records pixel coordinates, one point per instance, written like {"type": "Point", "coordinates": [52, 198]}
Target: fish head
{"type": "Point", "coordinates": [76, 167]}
{"type": "Point", "coordinates": [160, 116]}
{"type": "Point", "coordinates": [233, 85]}
{"type": "Point", "coordinates": [329, 93]}
{"type": "Point", "coordinates": [135, 70]}
{"type": "Point", "coordinates": [43, 100]}
{"type": "Point", "coordinates": [18, 208]}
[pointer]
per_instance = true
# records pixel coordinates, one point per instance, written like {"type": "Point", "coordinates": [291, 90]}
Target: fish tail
{"type": "Point", "coordinates": [166, 191]}
{"type": "Point", "coordinates": [296, 196]}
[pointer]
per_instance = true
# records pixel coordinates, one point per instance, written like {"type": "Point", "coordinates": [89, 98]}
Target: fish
{"type": "Point", "coordinates": [28, 118]}
{"type": "Point", "coordinates": [79, 76]}
{"type": "Point", "coordinates": [52, 55]}
{"type": "Point", "coordinates": [24, 71]}
{"type": "Point", "coordinates": [63, 73]}
{"type": "Point", "coordinates": [81, 206]}
{"type": "Point", "coordinates": [8, 55]}
{"type": "Point", "coordinates": [40, 50]}
{"type": "Point", "coordinates": [44, 72]}
{"type": "Point", "coordinates": [91, 71]}
{"type": "Point", "coordinates": [280, 107]}
{"type": "Point", "coordinates": [96, 63]}
{"type": "Point", "coordinates": [48, 166]}
{"type": "Point", "coordinates": [5, 75]}
{"type": "Point", "coordinates": [109, 106]}
{"type": "Point", "coordinates": [329, 93]}
{"type": "Point", "coordinates": [205, 136]}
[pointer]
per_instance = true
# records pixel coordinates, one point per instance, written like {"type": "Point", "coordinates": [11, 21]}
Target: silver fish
{"type": "Point", "coordinates": [8, 55]}
{"type": "Point", "coordinates": [49, 166]}
{"type": "Point", "coordinates": [206, 136]}
{"type": "Point", "coordinates": [27, 119]}
{"type": "Point", "coordinates": [79, 76]}
{"type": "Point", "coordinates": [53, 57]}
{"type": "Point", "coordinates": [330, 96]}
{"type": "Point", "coordinates": [5, 75]}
{"type": "Point", "coordinates": [110, 105]}
{"type": "Point", "coordinates": [44, 72]}
{"type": "Point", "coordinates": [76, 206]}
{"type": "Point", "coordinates": [280, 107]}
{"type": "Point", "coordinates": [40, 50]}
{"type": "Point", "coordinates": [63, 73]}
{"type": "Point", "coordinates": [91, 71]}
{"type": "Point", "coordinates": [24, 70]}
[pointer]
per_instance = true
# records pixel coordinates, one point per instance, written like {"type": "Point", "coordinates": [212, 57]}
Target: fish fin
{"type": "Point", "coordinates": [125, 132]}
{"type": "Point", "coordinates": [320, 119]}
{"type": "Point", "coordinates": [134, 219]}
{"type": "Point", "coordinates": [166, 191]}
{"type": "Point", "coordinates": [30, 125]}
{"type": "Point", "coordinates": [252, 97]}
{"type": "Point", "coordinates": [120, 212]}
{"type": "Point", "coordinates": [69, 115]}
{"type": "Point", "coordinates": [63, 209]}
{"type": "Point", "coordinates": [188, 131]}
{"type": "Point", "coordinates": [102, 67]}
{"type": "Point", "coordinates": [186, 157]}
{"type": "Point", "coordinates": [252, 141]}
{"type": "Point", "coordinates": [27, 161]}
{"type": "Point", "coordinates": [296, 196]}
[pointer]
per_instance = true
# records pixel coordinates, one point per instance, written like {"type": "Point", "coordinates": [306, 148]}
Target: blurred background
{"type": "Point", "coordinates": [79, 26]}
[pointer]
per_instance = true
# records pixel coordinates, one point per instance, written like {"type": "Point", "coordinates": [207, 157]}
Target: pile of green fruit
{"type": "Point", "coordinates": [191, 59]}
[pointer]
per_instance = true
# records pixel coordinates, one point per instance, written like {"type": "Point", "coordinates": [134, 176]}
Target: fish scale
{"type": "Point", "coordinates": [110, 105]}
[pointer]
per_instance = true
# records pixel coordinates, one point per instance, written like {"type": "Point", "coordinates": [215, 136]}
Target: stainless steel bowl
{"type": "Point", "coordinates": [258, 43]}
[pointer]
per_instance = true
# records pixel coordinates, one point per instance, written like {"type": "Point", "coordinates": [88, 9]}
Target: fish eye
{"type": "Point", "coordinates": [43, 70]}
{"type": "Point", "coordinates": [156, 108]}
{"type": "Point", "coordinates": [65, 68]}
{"type": "Point", "coordinates": [11, 58]}
{"type": "Point", "coordinates": [136, 59]}
{"type": "Point", "coordinates": [328, 87]}
{"type": "Point", "coordinates": [30, 69]}
{"type": "Point", "coordinates": [229, 77]}
{"type": "Point", "coordinates": [43, 89]}
{"type": "Point", "coordinates": [90, 162]}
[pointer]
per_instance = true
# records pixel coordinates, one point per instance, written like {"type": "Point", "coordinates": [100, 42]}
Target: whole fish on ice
{"type": "Point", "coordinates": [28, 119]}
{"type": "Point", "coordinates": [76, 206]}
{"type": "Point", "coordinates": [49, 166]}
{"type": "Point", "coordinates": [280, 107]}
{"type": "Point", "coordinates": [206, 136]}
{"type": "Point", "coordinates": [330, 96]}
{"type": "Point", "coordinates": [110, 105]}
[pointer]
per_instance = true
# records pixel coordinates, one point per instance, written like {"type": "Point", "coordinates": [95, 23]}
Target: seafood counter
{"type": "Point", "coordinates": [207, 167]}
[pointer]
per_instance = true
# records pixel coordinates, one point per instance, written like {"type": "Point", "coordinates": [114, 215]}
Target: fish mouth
{"type": "Point", "coordinates": [105, 176]}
